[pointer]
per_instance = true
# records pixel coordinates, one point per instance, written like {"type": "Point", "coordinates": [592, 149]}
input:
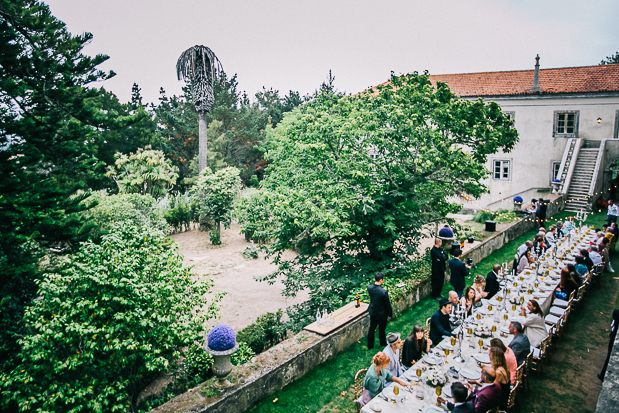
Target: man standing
{"type": "Point", "coordinates": [439, 323]}
{"type": "Point", "coordinates": [540, 213]}
{"type": "Point", "coordinates": [394, 345]}
{"type": "Point", "coordinates": [379, 309]}
{"type": "Point", "coordinates": [613, 211]}
{"type": "Point", "coordinates": [520, 344]}
{"type": "Point", "coordinates": [439, 257]}
{"type": "Point", "coordinates": [492, 281]}
{"type": "Point", "coordinates": [459, 271]}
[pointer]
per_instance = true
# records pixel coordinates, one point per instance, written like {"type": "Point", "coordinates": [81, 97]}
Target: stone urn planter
{"type": "Point", "coordinates": [446, 234]}
{"type": "Point", "coordinates": [556, 184]}
{"type": "Point", "coordinates": [517, 201]}
{"type": "Point", "coordinates": [221, 344]}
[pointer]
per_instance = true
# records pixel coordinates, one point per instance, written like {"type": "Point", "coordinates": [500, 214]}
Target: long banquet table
{"type": "Point", "coordinates": [537, 282]}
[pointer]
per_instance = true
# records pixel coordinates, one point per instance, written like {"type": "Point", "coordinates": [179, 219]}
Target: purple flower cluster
{"type": "Point", "coordinates": [221, 337]}
{"type": "Point", "coordinates": [446, 233]}
{"type": "Point", "coordinates": [518, 199]}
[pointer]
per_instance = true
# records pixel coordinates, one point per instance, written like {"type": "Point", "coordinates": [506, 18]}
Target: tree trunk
{"type": "Point", "coordinates": [202, 140]}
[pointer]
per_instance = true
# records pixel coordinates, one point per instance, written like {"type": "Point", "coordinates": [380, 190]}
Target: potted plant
{"type": "Point", "coordinates": [556, 184]}
{"type": "Point", "coordinates": [517, 201]}
{"type": "Point", "coordinates": [221, 344]}
{"type": "Point", "coordinates": [471, 238]}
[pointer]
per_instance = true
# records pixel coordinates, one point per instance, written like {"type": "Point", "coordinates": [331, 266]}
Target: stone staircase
{"type": "Point", "coordinates": [578, 192]}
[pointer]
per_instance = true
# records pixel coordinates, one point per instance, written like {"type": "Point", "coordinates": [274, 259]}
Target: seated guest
{"type": "Point", "coordinates": [594, 255]}
{"type": "Point", "coordinates": [467, 301]}
{"type": "Point", "coordinates": [574, 274]}
{"type": "Point", "coordinates": [510, 357]}
{"type": "Point", "coordinates": [499, 364]}
{"type": "Point", "coordinates": [605, 253]}
{"type": "Point", "coordinates": [524, 261]}
{"type": "Point", "coordinates": [492, 280]}
{"type": "Point", "coordinates": [588, 261]}
{"type": "Point", "coordinates": [377, 375]}
{"type": "Point", "coordinates": [520, 344]}
{"type": "Point", "coordinates": [488, 396]}
{"type": "Point", "coordinates": [459, 394]}
{"type": "Point", "coordinates": [478, 286]}
{"type": "Point", "coordinates": [550, 237]}
{"type": "Point", "coordinates": [580, 266]}
{"type": "Point", "coordinates": [439, 323]}
{"type": "Point", "coordinates": [566, 285]}
{"type": "Point", "coordinates": [394, 344]}
{"type": "Point", "coordinates": [532, 208]}
{"type": "Point", "coordinates": [454, 319]}
{"type": "Point", "coordinates": [526, 246]}
{"type": "Point", "coordinates": [568, 225]}
{"type": "Point", "coordinates": [533, 323]}
{"type": "Point", "coordinates": [414, 346]}
{"type": "Point", "coordinates": [539, 246]}
{"type": "Point", "coordinates": [560, 230]}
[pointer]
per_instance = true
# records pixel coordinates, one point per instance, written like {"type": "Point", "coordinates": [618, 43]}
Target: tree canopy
{"type": "Point", "coordinates": [612, 59]}
{"type": "Point", "coordinates": [353, 180]}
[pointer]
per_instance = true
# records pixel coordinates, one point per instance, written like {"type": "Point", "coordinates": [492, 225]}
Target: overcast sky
{"type": "Point", "coordinates": [292, 45]}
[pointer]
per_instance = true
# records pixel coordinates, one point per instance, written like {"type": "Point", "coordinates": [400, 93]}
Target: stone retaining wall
{"type": "Point", "coordinates": [288, 361]}
{"type": "Point", "coordinates": [608, 401]}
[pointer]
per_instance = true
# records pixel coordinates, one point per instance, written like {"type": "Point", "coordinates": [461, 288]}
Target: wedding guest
{"type": "Point", "coordinates": [379, 309]}
{"type": "Point", "coordinates": [377, 375]}
{"type": "Point", "coordinates": [594, 255]}
{"type": "Point", "coordinates": [394, 344]}
{"type": "Point", "coordinates": [488, 396]}
{"type": "Point", "coordinates": [492, 280]}
{"type": "Point", "coordinates": [414, 346]}
{"type": "Point", "coordinates": [580, 266]}
{"type": "Point", "coordinates": [539, 246]}
{"type": "Point", "coordinates": [533, 323]}
{"type": "Point", "coordinates": [439, 323]}
{"type": "Point", "coordinates": [439, 257]}
{"type": "Point", "coordinates": [588, 261]}
{"type": "Point", "coordinates": [459, 271]}
{"type": "Point", "coordinates": [499, 364]}
{"type": "Point", "coordinates": [613, 211]}
{"type": "Point", "coordinates": [520, 344]}
{"type": "Point", "coordinates": [550, 236]}
{"type": "Point", "coordinates": [527, 245]}
{"type": "Point", "coordinates": [454, 319]}
{"type": "Point", "coordinates": [524, 261]}
{"type": "Point", "coordinates": [467, 301]}
{"type": "Point", "coordinates": [574, 274]}
{"type": "Point", "coordinates": [566, 285]}
{"type": "Point", "coordinates": [478, 286]}
{"type": "Point", "coordinates": [510, 357]}
{"type": "Point", "coordinates": [459, 394]}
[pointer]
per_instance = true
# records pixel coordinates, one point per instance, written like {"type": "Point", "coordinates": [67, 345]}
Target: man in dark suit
{"type": "Point", "coordinates": [540, 213]}
{"type": "Point", "coordinates": [483, 399]}
{"type": "Point", "coordinates": [379, 309]}
{"type": "Point", "coordinates": [520, 344]}
{"type": "Point", "coordinates": [459, 394]}
{"type": "Point", "coordinates": [459, 271]}
{"type": "Point", "coordinates": [439, 257]}
{"type": "Point", "coordinates": [492, 282]}
{"type": "Point", "coordinates": [439, 323]}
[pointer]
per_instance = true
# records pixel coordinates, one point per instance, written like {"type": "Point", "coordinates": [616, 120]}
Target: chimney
{"type": "Point", "coordinates": [536, 88]}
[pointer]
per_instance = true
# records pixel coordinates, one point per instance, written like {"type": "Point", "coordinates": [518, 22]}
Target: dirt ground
{"type": "Point", "coordinates": [247, 298]}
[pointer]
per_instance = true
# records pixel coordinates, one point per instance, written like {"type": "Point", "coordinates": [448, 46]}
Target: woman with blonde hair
{"type": "Point", "coordinates": [376, 377]}
{"type": "Point", "coordinates": [499, 364]}
{"type": "Point", "coordinates": [478, 286]}
{"type": "Point", "coordinates": [510, 357]}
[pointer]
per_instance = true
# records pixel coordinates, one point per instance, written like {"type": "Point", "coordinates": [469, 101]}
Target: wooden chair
{"type": "Point", "coordinates": [426, 333]}
{"type": "Point", "coordinates": [537, 362]}
{"type": "Point", "coordinates": [526, 371]}
{"type": "Point", "coordinates": [563, 303]}
{"type": "Point", "coordinates": [511, 401]}
{"type": "Point", "coordinates": [577, 302]}
{"type": "Point", "coordinates": [598, 269]}
{"type": "Point", "coordinates": [358, 386]}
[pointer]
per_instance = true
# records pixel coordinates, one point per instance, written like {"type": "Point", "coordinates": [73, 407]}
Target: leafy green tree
{"type": "Point", "coordinates": [145, 172]}
{"type": "Point", "coordinates": [48, 124]}
{"type": "Point", "coordinates": [215, 193]}
{"type": "Point", "coordinates": [353, 180]}
{"type": "Point", "coordinates": [110, 319]}
{"type": "Point", "coordinates": [610, 59]}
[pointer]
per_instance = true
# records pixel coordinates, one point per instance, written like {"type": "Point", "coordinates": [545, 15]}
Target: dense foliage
{"type": "Point", "coordinates": [353, 180]}
{"type": "Point", "coordinates": [267, 331]}
{"type": "Point", "coordinates": [108, 321]}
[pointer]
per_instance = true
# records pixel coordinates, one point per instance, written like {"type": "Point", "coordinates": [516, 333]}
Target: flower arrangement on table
{"type": "Point", "coordinates": [483, 331]}
{"type": "Point", "coordinates": [436, 378]}
{"type": "Point", "coordinates": [221, 338]}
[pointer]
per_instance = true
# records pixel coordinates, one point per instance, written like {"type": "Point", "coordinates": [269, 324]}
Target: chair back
{"type": "Point", "coordinates": [358, 385]}
{"type": "Point", "coordinates": [426, 333]}
{"type": "Point", "coordinates": [511, 401]}
{"type": "Point", "coordinates": [519, 371]}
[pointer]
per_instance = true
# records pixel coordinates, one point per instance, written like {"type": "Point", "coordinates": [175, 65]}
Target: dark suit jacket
{"type": "Point", "coordinates": [439, 327]}
{"type": "Point", "coordinates": [487, 398]}
{"type": "Point", "coordinates": [492, 285]}
{"type": "Point", "coordinates": [458, 274]}
{"type": "Point", "coordinates": [380, 306]}
{"type": "Point", "coordinates": [438, 257]}
{"type": "Point", "coordinates": [541, 210]}
{"type": "Point", "coordinates": [521, 347]}
{"type": "Point", "coordinates": [467, 407]}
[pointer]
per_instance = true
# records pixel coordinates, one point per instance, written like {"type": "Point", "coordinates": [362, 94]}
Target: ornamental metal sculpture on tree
{"type": "Point", "coordinates": [199, 66]}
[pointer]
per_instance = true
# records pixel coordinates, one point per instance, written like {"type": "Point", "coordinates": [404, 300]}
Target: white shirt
{"type": "Point", "coordinates": [595, 257]}
{"type": "Point", "coordinates": [613, 209]}
{"type": "Point", "coordinates": [522, 249]}
{"type": "Point", "coordinates": [394, 368]}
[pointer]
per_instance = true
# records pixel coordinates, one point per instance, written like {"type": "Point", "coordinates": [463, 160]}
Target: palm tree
{"type": "Point", "coordinates": [198, 66]}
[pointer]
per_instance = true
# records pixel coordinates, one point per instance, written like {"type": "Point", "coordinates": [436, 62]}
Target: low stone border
{"type": "Point", "coordinates": [608, 400]}
{"type": "Point", "coordinates": [291, 359]}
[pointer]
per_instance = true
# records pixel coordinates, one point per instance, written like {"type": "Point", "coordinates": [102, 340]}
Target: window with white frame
{"type": "Point", "coordinates": [501, 169]}
{"type": "Point", "coordinates": [556, 165]}
{"type": "Point", "coordinates": [566, 124]}
{"type": "Point", "coordinates": [510, 115]}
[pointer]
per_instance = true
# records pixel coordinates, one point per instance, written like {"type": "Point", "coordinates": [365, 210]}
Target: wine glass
{"type": "Point", "coordinates": [513, 307]}
{"type": "Point", "coordinates": [439, 391]}
{"type": "Point", "coordinates": [530, 291]}
{"type": "Point", "coordinates": [522, 299]}
{"type": "Point", "coordinates": [419, 373]}
{"type": "Point", "coordinates": [505, 317]}
{"type": "Point", "coordinates": [396, 390]}
{"type": "Point", "coordinates": [536, 284]}
{"type": "Point", "coordinates": [453, 341]}
{"type": "Point", "coordinates": [481, 343]}
{"type": "Point", "coordinates": [499, 298]}
{"type": "Point", "coordinates": [515, 284]}
{"type": "Point", "coordinates": [478, 316]}
{"type": "Point", "coordinates": [489, 307]}
{"type": "Point", "coordinates": [509, 291]}
{"type": "Point", "coordinates": [493, 328]}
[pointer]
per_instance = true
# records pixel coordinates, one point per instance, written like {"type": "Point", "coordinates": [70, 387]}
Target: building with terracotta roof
{"type": "Point", "coordinates": [568, 123]}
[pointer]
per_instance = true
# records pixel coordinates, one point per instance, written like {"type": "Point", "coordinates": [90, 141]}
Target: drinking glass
{"type": "Point", "coordinates": [509, 291]}
{"type": "Point", "coordinates": [489, 307]}
{"type": "Point", "coordinates": [469, 331]}
{"type": "Point", "coordinates": [530, 291]}
{"type": "Point", "coordinates": [522, 299]}
{"type": "Point", "coordinates": [478, 316]}
{"type": "Point", "coordinates": [419, 373]}
{"type": "Point", "coordinates": [515, 284]}
{"type": "Point", "coordinates": [494, 328]}
{"type": "Point", "coordinates": [505, 317]}
{"type": "Point", "coordinates": [481, 343]}
{"type": "Point", "coordinates": [453, 341]}
{"type": "Point", "coordinates": [396, 390]}
{"type": "Point", "coordinates": [499, 298]}
{"type": "Point", "coordinates": [439, 391]}
{"type": "Point", "coordinates": [536, 285]}
{"type": "Point", "coordinates": [419, 393]}
{"type": "Point", "coordinates": [513, 307]}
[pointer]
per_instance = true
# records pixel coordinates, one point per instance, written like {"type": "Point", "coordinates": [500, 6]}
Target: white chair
{"type": "Point", "coordinates": [556, 311]}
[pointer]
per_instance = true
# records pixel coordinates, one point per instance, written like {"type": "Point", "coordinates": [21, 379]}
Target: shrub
{"type": "Point", "coordinates": [500, 216]}
{"type": "Point", "coordinates": [267, 331]}
{"type": "Point", "coordinates": [111, 318]}
{"type": "Point", "coordinates": [250, 252]}
{"type": "Point", "coordinates": [179, 211]}
{"type": "Point", "coordinates": [254, 216]}
{"type": "Point", "coordinates": [243, 355]}
{"type": "Point", "coordinates": [215, 237]}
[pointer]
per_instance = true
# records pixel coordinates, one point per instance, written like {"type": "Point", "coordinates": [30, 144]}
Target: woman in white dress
{"type": "Point", "coordinates": [478, 286]}
{"type": "Point", "coordinates": [533, 323]}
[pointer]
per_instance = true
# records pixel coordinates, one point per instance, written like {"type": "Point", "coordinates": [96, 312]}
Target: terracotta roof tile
{"type": "Point", "coordinates": [582, 79]}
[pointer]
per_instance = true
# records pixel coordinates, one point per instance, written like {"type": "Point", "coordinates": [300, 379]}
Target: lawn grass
{"type": "Point", "coordinates": [329, 387]}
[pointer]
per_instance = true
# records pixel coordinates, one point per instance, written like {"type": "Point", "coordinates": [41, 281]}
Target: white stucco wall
{"type": "Point", "coordinates": [531, 159]}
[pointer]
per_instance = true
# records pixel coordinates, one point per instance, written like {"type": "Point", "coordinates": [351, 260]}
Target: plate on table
{"type": "Point", "coordinates": [411, 375]}
{"type": "Point", "coordinates": [429, 408]}
{"type": "Point", "coordinates": [483, 311]}
{"type": "Point", "coordinates": [445, 344]}
{"type": "Point", "coordinates": [482, 357]}
{"type": "Point", "coordinates": [470, 374]}
{"type": "Point", "coordinates": [429, 359]}
{"type": "Point", "coordinates": [376, 408]}
{"type": "Point", "coordinates": [388, 393]}
{"type": "Point", "coordinates": [494, 301]}
{"type": "Point", "coordinates": [447, 391]}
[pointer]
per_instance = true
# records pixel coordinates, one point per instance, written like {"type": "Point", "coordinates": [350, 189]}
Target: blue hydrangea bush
{"type": "Point", "coordinates": [222, 337]}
